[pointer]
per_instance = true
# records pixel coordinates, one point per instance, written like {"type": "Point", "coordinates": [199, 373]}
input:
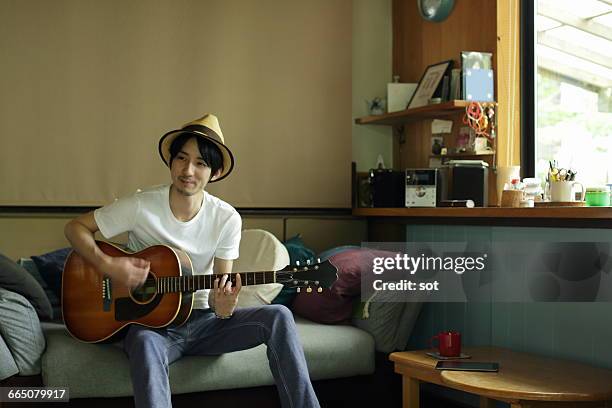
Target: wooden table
{"type": "Point", "coordinates": [523, 380]}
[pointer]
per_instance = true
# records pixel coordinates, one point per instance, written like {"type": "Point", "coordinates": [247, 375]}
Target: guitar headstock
{"type": "Point", "coordinates": [310, 275]}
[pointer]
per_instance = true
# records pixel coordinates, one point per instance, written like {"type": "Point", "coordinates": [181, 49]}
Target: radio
{"type": "Point", "coordinates": [387, 188]}
{"type": "Point", "coordinates": [425, 187]}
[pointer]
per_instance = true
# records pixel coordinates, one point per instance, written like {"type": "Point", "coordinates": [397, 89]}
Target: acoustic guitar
{"type": "Point", "coordinates": [97, 309]}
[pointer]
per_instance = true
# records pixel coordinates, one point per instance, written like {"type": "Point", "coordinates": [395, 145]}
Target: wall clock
{"type": "Point", "coordinates": [435, 10]}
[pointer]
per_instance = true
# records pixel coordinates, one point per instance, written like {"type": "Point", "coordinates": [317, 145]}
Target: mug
{"type": "Point", "coordinates": [564, 191]}
{"type": "Point", "coordinates": [449, 343]}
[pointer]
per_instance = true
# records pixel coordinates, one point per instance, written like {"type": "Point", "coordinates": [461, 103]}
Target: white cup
{"type": "Point", "coordinates": [561, 191]}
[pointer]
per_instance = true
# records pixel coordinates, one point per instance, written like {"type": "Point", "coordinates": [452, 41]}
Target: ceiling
{"type": "Point", "coordinates": [574, 39]}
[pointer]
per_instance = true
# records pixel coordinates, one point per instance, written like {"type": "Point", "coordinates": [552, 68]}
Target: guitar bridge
{"type": "Point", "coordinates": [107, 294]}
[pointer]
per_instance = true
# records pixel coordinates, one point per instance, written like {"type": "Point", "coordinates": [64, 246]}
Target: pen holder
{"type": "Point", "coordinates": [511, 198]}
{"type": "Point", "coordinates": [563, 191]}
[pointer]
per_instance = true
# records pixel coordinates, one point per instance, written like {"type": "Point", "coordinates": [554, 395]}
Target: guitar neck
{"type": "Point", "coordinates": [197, 282]}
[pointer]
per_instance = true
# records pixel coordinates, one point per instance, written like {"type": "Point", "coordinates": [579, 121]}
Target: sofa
{"type": "Point", "coordinates": [347, 361]}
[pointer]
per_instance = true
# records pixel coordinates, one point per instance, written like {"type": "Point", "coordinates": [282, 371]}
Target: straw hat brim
{"type": "Point", "coordinates": [166, 141]}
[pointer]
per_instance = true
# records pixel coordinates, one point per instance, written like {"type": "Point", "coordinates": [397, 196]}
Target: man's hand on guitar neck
{"type": "Point", "coordinates": [224, 297]}
{"type": "Point", "coordinates": [129, 271]}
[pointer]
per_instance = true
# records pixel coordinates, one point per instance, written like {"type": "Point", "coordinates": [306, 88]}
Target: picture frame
{"type": "Point", "coordinates": [431, 79]}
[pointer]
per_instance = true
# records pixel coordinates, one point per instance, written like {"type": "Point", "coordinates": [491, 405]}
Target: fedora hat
{"type": "Point", "coordinates": [206, 127]}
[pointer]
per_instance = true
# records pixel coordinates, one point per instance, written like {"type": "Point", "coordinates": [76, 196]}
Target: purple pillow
{"type": "Point", "coordinates": [326, 307]}
{"type": "Point", "coordinates": [334, 305]}
{"type": "Point", "coordinates": [351, 265]}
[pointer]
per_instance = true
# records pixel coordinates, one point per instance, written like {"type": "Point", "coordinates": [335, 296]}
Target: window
{"type": "Point", "coordinates": [572, 88]}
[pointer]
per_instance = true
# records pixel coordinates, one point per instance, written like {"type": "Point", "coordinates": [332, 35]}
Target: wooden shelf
{"type": "Point", "coordinates": [593, 213]}
{"type": "Point", "coordinates": [455, 155]}
{"type": "Point", "coordinates": [411, 115]}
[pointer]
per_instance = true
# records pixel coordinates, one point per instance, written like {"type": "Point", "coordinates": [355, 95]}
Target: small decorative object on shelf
{"type": "Point", "coordinates": [376, 106]}
{"type": "Point", "coordinates": [398, 94]}
{"type": "Point", "coordinates": [429, 83]}
{"type": "Point", "coordinates": [462, 141]}
{"type": "Point", "coordinates": [477, 76]}
{"type": "Point", "coordinates": [481, 118]}
{"type": "Point", "coordinates": [436, 147]}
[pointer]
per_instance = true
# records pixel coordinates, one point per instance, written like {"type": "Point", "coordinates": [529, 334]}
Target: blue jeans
{"type": "Point", "coordinates": [151, 351]}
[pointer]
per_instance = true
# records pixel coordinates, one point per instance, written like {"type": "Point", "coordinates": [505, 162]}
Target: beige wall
{"type": "Point", "coordinates": [278, 73]}
{"type": "Point", "coordinates": [23, 235]}
{"type": "Point", "coordinates": [89, 86]}
{"type": "Point", "coordinates": [112, 76]}
{"type": "Point", "coordinates": [372, 55]}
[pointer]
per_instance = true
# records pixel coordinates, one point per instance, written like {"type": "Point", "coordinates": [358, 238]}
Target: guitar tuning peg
{"type": "Point", "coordinates": [297, 263]}
{"type": "Point", "coordinates": [298, 289]}
{"type": "Point", "coordinates": [308, 262]}
{"type": "Point", "coordinates": [320, 289]}
{"type": "Point", "coordinates": [318, 260]}
{"type": "Point", "coordinates": [308, 289]}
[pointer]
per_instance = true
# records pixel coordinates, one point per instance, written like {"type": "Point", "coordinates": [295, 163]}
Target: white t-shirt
{"type": "Point", "coordinates": [146, 215]}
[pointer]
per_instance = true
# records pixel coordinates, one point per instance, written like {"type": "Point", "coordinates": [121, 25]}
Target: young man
{"type": "Point", "coordinates": [184, 216]}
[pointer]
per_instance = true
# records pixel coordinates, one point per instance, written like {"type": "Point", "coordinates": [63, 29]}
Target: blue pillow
{"type": "Point", "coordinates": [285, 297]}
{"type": "Point", "coordinates": [325, 255]}
{"type": "Point", "coordinates": [298, 251]}
{"type": "Point", "coordinates": [51, 266]}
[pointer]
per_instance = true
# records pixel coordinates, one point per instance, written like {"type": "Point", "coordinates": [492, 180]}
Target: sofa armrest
{"type": "Point", "coordinates": [8, 367]}
{"type": "Point", "coordinates": [21, 332]}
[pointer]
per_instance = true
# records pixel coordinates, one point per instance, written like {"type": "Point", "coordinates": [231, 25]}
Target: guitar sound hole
{"type": "Point", "coordinates": [146, 292]}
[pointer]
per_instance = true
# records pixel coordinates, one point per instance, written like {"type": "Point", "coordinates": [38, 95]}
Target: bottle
{"type": "Point", "coordinates": [436, 148]}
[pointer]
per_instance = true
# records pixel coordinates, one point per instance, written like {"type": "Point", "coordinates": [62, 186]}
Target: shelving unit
{"type": "Point", "coordinates": [598, 213]}
{"type": "Point", "coordinates": [412, 115]}
{"type": "Point", "coordinates": [459, 155]}
{"type": "Point", "coordinates": [408, 119]}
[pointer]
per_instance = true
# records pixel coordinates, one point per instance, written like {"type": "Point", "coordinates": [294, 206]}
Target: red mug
{"type": "Point", "coordinates": [449, 343]}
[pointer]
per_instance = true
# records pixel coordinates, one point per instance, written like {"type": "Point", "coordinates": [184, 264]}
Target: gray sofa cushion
{"type": "Point", "coordinates": [7, 363]}
{"type": "Point", "coordinates": [331, 352]}
{"type": "Point", "coordinates": [389, 319]}
{"type": "Point", "coordinates": [14, 278]}
{"type": "Point", "coordinates": [20, 329]}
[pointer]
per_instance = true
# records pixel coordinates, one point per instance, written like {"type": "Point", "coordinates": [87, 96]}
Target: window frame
{"type": "Point", "coordinates": [528, 91]}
